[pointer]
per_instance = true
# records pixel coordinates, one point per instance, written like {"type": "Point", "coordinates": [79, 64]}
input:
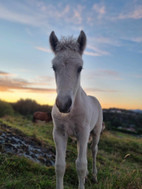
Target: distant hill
{"type": "Point", "coordinates": [124, 120]}
{"type": "Point", "coordinates": [137, 111]}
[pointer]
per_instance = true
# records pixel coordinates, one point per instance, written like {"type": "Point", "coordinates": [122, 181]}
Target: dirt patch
{"type": "Point", "coordinates": [15, 142]}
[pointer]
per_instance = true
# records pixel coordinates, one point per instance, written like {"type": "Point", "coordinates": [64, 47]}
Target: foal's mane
{"type": "Point", "coordinates": [67, 44]}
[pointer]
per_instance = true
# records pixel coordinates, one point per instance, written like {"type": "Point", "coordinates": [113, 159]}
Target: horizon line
{"type": "Point", "coordinates": [111, 107]}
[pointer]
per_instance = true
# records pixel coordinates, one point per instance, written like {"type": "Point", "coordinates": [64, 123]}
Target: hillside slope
{"type": "Point", "coordinates": [119, 161]}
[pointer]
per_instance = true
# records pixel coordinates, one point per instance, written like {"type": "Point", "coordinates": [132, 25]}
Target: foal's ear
{"type": "Point", "coordinates": [53, 41]}
{"type": "Point", "coordinates": [82, 42]}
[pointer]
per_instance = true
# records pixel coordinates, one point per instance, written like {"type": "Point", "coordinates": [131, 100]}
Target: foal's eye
{"type": "Point", "coordinates": [54, 68]}
{"type": "Point", "coordinates": [79, 69]}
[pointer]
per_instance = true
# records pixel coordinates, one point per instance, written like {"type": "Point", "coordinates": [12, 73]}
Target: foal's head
{"type": "Point", "coordinates": [67, 66]}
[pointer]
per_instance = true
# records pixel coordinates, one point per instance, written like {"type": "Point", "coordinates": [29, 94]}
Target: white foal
{"type": "Point", "coordinates": [74, 113]}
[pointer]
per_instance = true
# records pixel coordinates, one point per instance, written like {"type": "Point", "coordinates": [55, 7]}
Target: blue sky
{"type": "Point", "coordinates": [112, 60]}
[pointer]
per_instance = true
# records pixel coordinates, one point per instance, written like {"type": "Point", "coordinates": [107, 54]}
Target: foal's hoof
{"type": "Point", "coordinates": [95, 180]}
{"type": "Point", "coordinates": [86, 179]}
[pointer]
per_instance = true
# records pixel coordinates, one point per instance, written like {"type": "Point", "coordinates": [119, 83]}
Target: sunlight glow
{"type": "Point", "coordinates": [49, 98]}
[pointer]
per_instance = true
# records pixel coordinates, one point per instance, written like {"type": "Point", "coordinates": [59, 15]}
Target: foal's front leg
{"type": "Point", "coordinates": [81, 162]}
{"type": "Point", "coordinates": [61, 142]}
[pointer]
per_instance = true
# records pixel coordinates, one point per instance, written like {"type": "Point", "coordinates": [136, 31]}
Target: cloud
{"type": "Point", "coordinates": [44, 81]}
{"type": "Point", "coordinates": [138, 76]}
{"type": "Point", "coordinates": [135, 39]}
{"type": "Point", "coordinates": [94, 51]}
{"type": "Point", "coordinates": [102, 43]}
{"type": "Point", "coordinates": [39, 90]}
{"type": "Point", "coordinates": [43, 49]}
{"type": "Point", "coordinates": [107, 74]}
{"type": "Point", "coordinates": [94, 90]}
{"type": "Point", "coordinates": [4, 73]}
{"type": "Point", "coordinates": [100, 9]}
{"type": "Point", "coordinates": [77, 12]}
{"type": "Point", "coordinates": [21, 17]}
{"type": "Point", "coordinates": [136, 13]}
{"type": "Point", "coordinates": [104, 40]}
{"type": "Point", "coordinates": [95, 15]}
{"type": "Point", "coordinates": [40, 14]}
{"type": "Point", "coordinates": [9, 84]}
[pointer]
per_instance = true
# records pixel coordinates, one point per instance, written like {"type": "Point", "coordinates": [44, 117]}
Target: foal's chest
{"type": "Point", "coordinates": [72, 130]}
{"type": "Point", "coordinates": [68, 127]}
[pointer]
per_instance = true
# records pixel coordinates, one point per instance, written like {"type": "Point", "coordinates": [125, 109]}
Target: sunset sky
{"type": "Point", "coordinates": [112, 60]}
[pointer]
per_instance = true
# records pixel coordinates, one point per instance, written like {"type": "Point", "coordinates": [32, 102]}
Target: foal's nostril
{"type": "Point", "coordinates": [69, 103]}
{"type": "Point", "coordinates": [64, 104]}
{"type": "Point", "coordinates": [57, 102]}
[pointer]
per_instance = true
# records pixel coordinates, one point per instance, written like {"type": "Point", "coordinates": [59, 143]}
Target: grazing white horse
{"type": "Point", "coordinates": [74, 113]}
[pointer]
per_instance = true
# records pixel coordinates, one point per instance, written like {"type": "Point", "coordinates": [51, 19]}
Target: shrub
{"type": "Point", "coordinates": [5, 109]}
{"type": "Point", "coordinates": [28, 107]}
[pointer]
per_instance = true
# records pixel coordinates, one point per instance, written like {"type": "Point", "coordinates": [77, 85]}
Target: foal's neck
{"type": "Point", "coordinates": [79, 94]}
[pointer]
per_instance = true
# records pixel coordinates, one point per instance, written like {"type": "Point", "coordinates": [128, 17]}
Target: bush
{"type": "Point", "coordinates": [25, 107]}
{"type": "Point", "coordinates": [28, 107]}
{"type": "Point", "coordinates": [5, 109]}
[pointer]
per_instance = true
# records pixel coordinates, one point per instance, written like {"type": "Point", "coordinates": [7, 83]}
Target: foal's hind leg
{"type": "Point", "coordinates": [95, 140]}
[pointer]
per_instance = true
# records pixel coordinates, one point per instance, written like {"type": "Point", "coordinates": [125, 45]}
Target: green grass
{"type": "Point", "coordinates": [119, 161]}
{"type": "Point", "coordinates": [21, 173]}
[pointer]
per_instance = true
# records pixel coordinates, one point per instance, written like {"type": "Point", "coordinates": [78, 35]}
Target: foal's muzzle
{"type": "Point", "coordinates": [64, 103]}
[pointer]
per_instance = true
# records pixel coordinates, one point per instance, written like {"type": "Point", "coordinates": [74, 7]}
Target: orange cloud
{"type": "Point", "coordinates": [8, 84]}
{"type": "Point", "coordinates": [5, 73]}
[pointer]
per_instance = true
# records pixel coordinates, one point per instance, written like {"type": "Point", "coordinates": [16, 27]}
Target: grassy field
{"type": "Point", "coordinates": [119, 161]}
